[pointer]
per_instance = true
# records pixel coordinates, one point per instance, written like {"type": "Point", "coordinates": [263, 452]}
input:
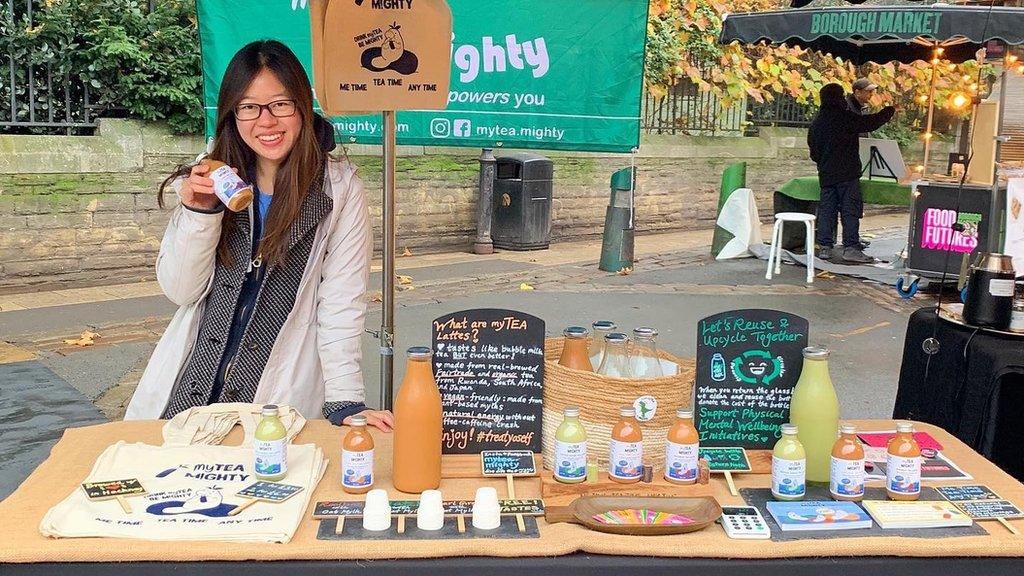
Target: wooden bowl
{"type": "Point", "coordinates": [702, 510]}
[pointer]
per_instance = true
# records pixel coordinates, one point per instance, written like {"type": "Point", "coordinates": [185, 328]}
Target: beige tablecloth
{"type": "Point", "coordinates": [72, 459]}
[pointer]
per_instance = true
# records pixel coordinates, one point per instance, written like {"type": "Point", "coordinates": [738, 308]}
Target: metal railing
{"type": "Point", "coordinates": [35, 98]}
{"type": "Point", "coordinates": [784, 110]}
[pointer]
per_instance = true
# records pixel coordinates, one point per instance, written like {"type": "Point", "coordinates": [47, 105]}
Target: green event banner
{"type": "Point", "coordinates": [541, 74]}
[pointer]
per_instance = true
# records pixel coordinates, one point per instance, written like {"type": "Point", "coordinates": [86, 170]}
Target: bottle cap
{"type": "Point", "coordinates": [645, 332]}
{"type": "Point", "coordinates": [848, 429]}
{"type": "Point", "coordinates": [604, 325]}
{"type": "Point", "coordinates": [616, 338]}
{"type": "Point", "coordinates": [359, 420]}
{"type": "Point", "coordinates": [576, 332]}
{"type": "Point", "coordinates": [420, 352]}
{"type": "Point", "coordinates": [904, 427]}
{"type": "Point", "coordinates": [627, 411]}
{"type": "Point", "coordinates": [571, 411]}
{"type": "Point", "coordinates": [789, 429]}
{"type": "Point", "coordinates": [269, 410]}
{"type": "Point", "coordinates": [684, 413]}
{"type": "Point", "coordinates": [816, 353]}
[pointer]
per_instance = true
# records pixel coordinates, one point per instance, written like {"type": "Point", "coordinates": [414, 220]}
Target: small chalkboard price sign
{"type": "Point", "coordinates": [489, 367]}
{"type": "Point", "coordinates": [117, 489]}
{"type": "Point", "coordinates": [263, 491]}
{"type": "Point", "coordinates": [726, 460]}
{"type": "Point", "coordinates": [967, 492]}
{"type": "Point", "coordinates": [748, 362]}
{"type": "Point", "coordinates": [981, 503]}
{"type": "Point", "coordinates": [508, 463]}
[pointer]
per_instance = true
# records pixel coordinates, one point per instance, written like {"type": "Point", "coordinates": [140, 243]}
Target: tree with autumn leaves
{"type": "Point", "coordinates": [683, 44]}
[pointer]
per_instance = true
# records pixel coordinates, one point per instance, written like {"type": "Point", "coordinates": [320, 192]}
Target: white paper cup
{"type": "Point", "coordinates": [486, 510]}
{"type": "Point", "coordinates": [377, 511]}
{"type": "Point", "coordinates": [430, 514]}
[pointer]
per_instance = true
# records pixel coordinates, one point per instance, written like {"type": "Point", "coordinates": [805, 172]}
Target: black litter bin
{"type": "Point", "coordinates": [522, 202]}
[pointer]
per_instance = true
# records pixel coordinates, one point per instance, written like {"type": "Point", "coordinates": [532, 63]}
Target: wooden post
{"type": "Point", "coordinates": [520, 523]}
{"type": "Point", "coordinates": [124, 504]}
{"type": "Point", "coordinates": [1008, 526]}
{"type": "Point", "coordinates": [237, 510]}
{"type": "Point", "coordinates": [732, 485]}
{"type": "Point", "coordinates": [339, 526]}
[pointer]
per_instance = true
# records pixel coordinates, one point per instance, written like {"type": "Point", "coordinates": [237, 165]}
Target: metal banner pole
{"type": "Point", "coordinates": [931, 109]}
{"type": "Point", "coordinates": [387, 326]}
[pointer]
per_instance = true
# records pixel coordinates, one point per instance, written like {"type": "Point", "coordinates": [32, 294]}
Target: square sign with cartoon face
{"type": "Point", "coordinates": [748, 362]}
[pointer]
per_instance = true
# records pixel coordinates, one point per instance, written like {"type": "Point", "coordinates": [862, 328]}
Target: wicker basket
{"type": "Point", "coordinates": [599, 399]}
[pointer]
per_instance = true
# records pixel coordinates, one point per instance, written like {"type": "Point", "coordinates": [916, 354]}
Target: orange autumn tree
{"type": "Point", "coordinates": [683, 44]}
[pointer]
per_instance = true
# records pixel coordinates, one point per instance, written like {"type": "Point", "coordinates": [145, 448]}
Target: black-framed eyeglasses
{"type": "Point", "coordinates": [277, 108]}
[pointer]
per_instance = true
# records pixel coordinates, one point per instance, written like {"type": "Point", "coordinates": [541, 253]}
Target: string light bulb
{"type": "Point", "coordinates": [959, 100]}
{"type": "Point", "coordinates": [919, 168]}
{"type": "Point", "coordinates": [922, 99]}
{"type": "Point", "coordinates": [927, 135]}
{"type": "Point", "coordinates": [939, 51]}
{"type": "Point", "coordinates": [1011, 58]}
{"type": "Point", "coordinates": [952, 67]}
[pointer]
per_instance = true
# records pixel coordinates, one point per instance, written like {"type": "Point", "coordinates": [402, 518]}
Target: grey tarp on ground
{"type": "Point", "coordinates": [36, 406]}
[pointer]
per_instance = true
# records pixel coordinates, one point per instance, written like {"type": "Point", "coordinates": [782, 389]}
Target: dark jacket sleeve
{"type": "Point", "coordinates": [871, 122]}
{"type": "Point", "coordinates": [812, 146]}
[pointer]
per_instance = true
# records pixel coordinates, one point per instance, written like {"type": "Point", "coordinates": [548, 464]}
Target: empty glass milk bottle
{"type": "Point", "coordinates": [600, 329]}
{"type": "Point", "coordinates": [575, 349]}
{"type": "Point", "coordinates": [615, 362]}
{"type": "Point", "coordinates": [644, 362]}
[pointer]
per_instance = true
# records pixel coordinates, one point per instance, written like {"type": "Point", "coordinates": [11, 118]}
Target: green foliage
{"type": "Point", "coordinates": [144, 64]}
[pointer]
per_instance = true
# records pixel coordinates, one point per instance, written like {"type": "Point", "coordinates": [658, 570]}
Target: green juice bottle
{"type": "Point", "coordinates": [789, 466]}
{"type": "Point", "coordinates": [814, 409]}
{"type": "Point", "coordinates": [271, 446]}
{"type": "Point", "coordinates": [571, 448]}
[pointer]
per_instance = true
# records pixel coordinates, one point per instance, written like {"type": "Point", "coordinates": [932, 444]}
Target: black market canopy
{"type": "Point", "coordinates": [881, 33]}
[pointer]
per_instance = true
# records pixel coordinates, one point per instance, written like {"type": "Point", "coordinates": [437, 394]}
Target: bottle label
{"type": "Point", "coordinates": [570, 460]}
{"type": "Point", "coordinates": [789, 477]}
{"type": "Point", "coordinates": [903, 475]}
{"type": "Point", "coordinates": [226, 183]}
{"type": "Point", "coordinates": [626, 459]}
{"type": "Point", "coordinates": [681, 461]}
{"type": "Point", "coordinates": [847, 477]}
{"type": "Point", "coordinates": [271, 457]}
{"type": "Point", "coordinates": [998, 287]}
{"type": "Point", "coordinates": [356, 468]}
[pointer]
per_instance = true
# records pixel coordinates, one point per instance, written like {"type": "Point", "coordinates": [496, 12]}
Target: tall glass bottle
{"type": "Point", "coordinates": [615, 362]}
{"type": "Point", "coordinates": [601, 328]}
{"type": "Point", "coordinates": [571, 448]}
{"type": "Point", "coordinates": [815, 410]}
{"type": "Point", "coordinates": [644, 362]}
{"type": "Point", "coordinates": [575, 350]}
{"type": "Point", "coordinates": [417, 452]}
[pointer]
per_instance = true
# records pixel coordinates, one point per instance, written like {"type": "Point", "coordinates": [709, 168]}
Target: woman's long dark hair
{"type": "Point", "coordinates": [299, 169]}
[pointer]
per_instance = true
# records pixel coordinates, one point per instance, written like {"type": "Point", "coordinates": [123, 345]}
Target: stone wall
{"type": "Point", "coordinates": [81, 210]}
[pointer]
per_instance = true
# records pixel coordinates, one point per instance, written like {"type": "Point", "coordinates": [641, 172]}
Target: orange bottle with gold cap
{"type": "Point", "coordinates": [417, 453]}
{"type": "Point", "coordinates": [357, 458]}
{"type": "Point", "coordinates": [682, 450]}
{"type": "Point", "coordinates": [626, 449]}
{"type": "Point", "coordinates": [903, 465]}
{"type": "Point", "coordinates": [576, 349]}
{"type": "Point", "coordinates": [846, 478]}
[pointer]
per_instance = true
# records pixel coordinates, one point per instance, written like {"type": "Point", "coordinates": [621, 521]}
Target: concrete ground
{"type": "Point", "coordinates": [50, 384]}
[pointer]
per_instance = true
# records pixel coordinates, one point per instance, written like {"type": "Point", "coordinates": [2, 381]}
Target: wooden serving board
{"type": "Point", "coordinates": [556, 493]}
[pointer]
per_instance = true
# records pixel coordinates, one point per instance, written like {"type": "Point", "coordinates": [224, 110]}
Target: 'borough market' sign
{"type": "Point", "coordinates": [876, 22]}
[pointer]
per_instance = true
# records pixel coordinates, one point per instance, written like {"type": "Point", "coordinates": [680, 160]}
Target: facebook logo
{"type": "Point", "coordinates": [462, 128]}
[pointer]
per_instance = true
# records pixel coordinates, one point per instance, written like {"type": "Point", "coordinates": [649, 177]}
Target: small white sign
{"type": "Point", "coordinates": [645, 407]}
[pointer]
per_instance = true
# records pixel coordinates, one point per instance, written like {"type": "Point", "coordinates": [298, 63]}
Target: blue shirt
{"type": "Point", "coordinates": [262, 206]}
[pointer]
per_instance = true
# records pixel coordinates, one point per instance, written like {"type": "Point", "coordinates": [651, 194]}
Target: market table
{"type": "Point", "coordinates": [560, 547]}
{"type": "Point", "coordinates": [974, 388]}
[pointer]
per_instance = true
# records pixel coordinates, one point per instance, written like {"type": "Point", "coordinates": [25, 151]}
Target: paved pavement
{"type": "Point", "coordinates": [673, 285]}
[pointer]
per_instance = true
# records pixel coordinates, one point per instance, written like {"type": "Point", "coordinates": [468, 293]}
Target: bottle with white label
{"type": "Point", "coordinates": [626, 449]}
{"type": "Point", "coordinates": [903, 465]}
{"type": "Point", "coordinates": [681, 450]}
{"type": "Point", "coordinates": [271, 446]}
{"type": "Point", "coordinates": [789, 466]}
{"type": "Point", "coordinates": [357, 458]}
{"type": "Point", "coordinates": [571, 448]}
{"type": "Point", "coordinates": [846, 480]}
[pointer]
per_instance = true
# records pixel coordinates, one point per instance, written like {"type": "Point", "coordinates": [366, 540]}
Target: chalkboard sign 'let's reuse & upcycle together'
{"type": "Point", "coordinates": [489, 367]}
{"type": "Point", "coordinates": [748, 362]}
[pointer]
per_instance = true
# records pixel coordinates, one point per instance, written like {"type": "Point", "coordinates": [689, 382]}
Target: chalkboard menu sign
{"type": "Point", "coordinates": [748, 362]}
{"type": "Point", "coordinates": [489, 367]}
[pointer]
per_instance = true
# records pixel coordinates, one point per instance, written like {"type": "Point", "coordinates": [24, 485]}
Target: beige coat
{"type": "Point", "coordinates": [316, 356]}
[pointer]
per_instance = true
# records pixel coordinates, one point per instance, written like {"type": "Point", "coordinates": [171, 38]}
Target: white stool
{"type": "Point", "coordinates": [775, 251]}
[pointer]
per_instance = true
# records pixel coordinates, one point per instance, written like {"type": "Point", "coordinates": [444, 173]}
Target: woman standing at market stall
{"type": "Point", "coordinates": [272, 298]}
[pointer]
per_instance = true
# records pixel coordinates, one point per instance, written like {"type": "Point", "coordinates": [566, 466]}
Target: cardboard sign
{"type": "Point", "coordinates": [748, 362]}
{"type": "Point", "coordinates": [112, 489]}
{"type": "Point", "coordinates": [968, 492]}
{"type": "Point", "coordinates": [489, 367]}
{"type": "Point", "coordinates": [381, 54]}
{"type": "Point", "coordinates": [270, 491]}
{"type": "Point", "coordinates": [730, 459]}
{"type": "Point", "coordinates": [508, 463]}
{"type": "Point", "coordinates": [334, 509]}
{"type": "Point", "coordinates": [989, 509]}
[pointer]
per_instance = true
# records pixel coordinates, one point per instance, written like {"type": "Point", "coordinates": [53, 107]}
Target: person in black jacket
{"type": "Point", "coordinates": [833, 139]}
